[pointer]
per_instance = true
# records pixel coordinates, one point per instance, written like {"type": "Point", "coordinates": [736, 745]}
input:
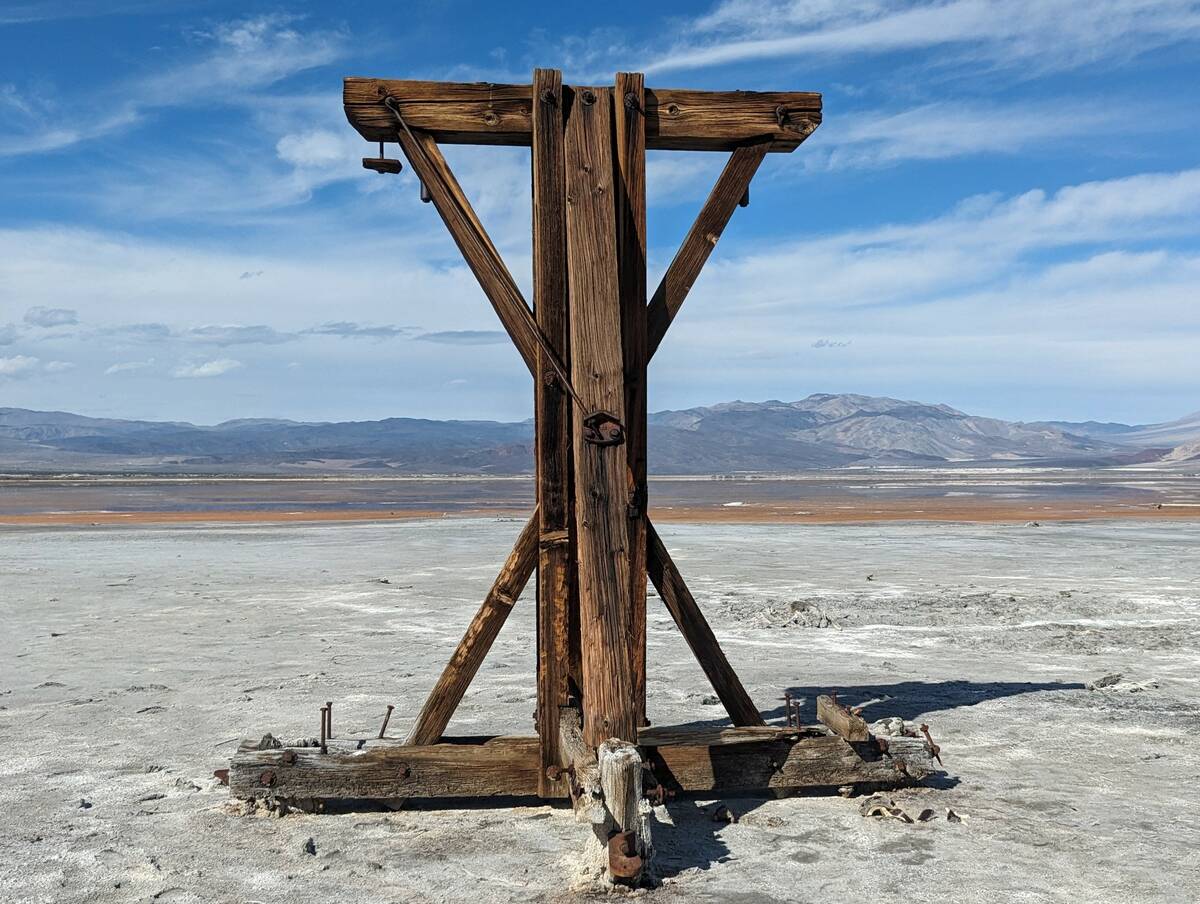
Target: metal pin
{"type": "Point", "coordinates": [745, 199]}
{"type": "Point", "coordinates": [323, 735]}
{"type": "Point", "coordinates": [386, 716]}
{"type": "Point", "coordinates": [426, 197]}
{"type": "Point", "coordinates": [329, 717]}
{"type": "Point", "coordinates": [787, 708]}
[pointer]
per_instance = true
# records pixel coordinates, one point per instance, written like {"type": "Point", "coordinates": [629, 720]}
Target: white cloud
{"type": "Point", "coordinates": [318, 147]}
{"type": "Point", "coordinates": [124, 367]}
{"type": "Point", "coordinates": [17, 366]}
{"type": "Point", "coordinates": [1028, 36]}
{"type": "Point", "coordinates": [58, 367]}
{"type": "Point", "coordinates": [943, 130]}
{"type": "Point", "coordinates": [207, 368]}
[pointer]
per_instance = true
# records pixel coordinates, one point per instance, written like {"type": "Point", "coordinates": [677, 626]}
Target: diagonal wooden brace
{"type": "Point", "coordinates": [731, 187]}
{"type": "Point", "coordinates": [471, 650]}
{"type": "Point", "coordinates": [695, 630]}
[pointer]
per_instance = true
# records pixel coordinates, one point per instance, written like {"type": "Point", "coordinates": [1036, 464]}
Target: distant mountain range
{"type": "Point", "coordinates": [821, 431]}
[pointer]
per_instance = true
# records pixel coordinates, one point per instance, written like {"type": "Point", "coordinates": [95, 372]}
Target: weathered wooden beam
{"type": "Point", "coordinates": [552, 416]}
{"type": "Point", "coordinates": [687, 736]}
{"type": "Point", "coordinates": [480, 635]}
{"type": "Point", "coordinates": [627, 832]}
{"type": "Point", "coordinates": [601, 485]}
{"type": "Point", "coordinates": [578, 760]}
{"type": "Point", "coordinates": [841, 720]}
{"type": "Point", "coordinates": [701, 239]}
{"type": "Point", "coordinates": [630, 128]}
{"type": "Point", "coordinates": [696, 631]}
{"type": "Point", "coordinates": [387, 770]}
{"type": "Point", "coordinates": [807, 762]}
{"type": "Point", "coordinates": [472, 239]}
{"type": "Point", "coordinates": [486, 113]}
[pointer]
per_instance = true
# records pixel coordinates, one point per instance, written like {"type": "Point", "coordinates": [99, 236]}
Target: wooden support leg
{"type": "Point", "coordinates": [601, 483]}
{"type": "Point", "coordinates": [630, 126]}
{"type": "Point", "coordinates": [552, 407]}
{"type": "Point", "coordinates": [699, 636]}
{"type": "Point", "coordinates": [471, 650]}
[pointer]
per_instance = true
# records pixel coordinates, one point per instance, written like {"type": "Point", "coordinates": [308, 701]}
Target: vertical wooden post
{"type": "Point", "coordinates": [552, 415]}
{"type": "Point", "coordinates": [597, 371]}
{"type": "Point", "coordinates": [630, 129]}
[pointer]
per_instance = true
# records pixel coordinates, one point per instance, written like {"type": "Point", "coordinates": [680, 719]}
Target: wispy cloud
{"type": "Point", "coordinates": [125, 367]}
{"type": "Point", "coordinates": [51, 317]}
{"type": "Point", "coordinates": [465, 337]}
{"type": "Point", "coordinates": [206, 368]}
{"type": "Point", "coordinates": [237, 59]}
{"type": "Point", "coordinates": [943, 130]}
{"type": "Point", "coordinates": [1029, 36]}
{"type": "Point", "coordinates": [346, 329]}
{"type": "Point", "coordinates": [17, 366]}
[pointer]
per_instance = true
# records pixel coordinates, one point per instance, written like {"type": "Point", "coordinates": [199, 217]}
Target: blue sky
{"type": "Point", "coordinates": [1001, 211]}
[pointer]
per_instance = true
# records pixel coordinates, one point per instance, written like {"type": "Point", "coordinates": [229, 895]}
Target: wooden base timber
{"type": "Point", "coordinates": [479, 767]}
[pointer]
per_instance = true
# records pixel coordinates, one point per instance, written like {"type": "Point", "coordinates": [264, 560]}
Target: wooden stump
{"type": "Point", "coordinates": [620, 849]}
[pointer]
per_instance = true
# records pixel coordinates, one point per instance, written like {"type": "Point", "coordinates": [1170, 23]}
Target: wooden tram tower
{"type": "Point", "coordinates": [586, 340]}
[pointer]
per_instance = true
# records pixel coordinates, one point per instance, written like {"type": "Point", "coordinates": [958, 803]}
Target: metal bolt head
{"type": "Point", "coordinates": [547, 96]}
{"type": "Point", "coordinates": [588, 96]}
{"type": "Point", "coordinates": [289, 758]}
{"type": "Point", "coordinates": [267, 778]}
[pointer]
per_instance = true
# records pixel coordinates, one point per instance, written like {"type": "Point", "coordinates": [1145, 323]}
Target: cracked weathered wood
{"type": "Point", "coordinates": [687, 736]}
{"type": "Point", "coordinates": [630, 129]}
{"type": "Point", "coordinates": [443, 700]}
{"type": "Point", "coordinates": [388, 770]}
{"type": "Point", "coordinates": [808, 762]}
{"type": "Point", "coordinates": [695, 630]}
{"type": "Point", "coordinates": [579, 760]}
{"type": "Point", "coordinates": [597, 371]}
{"type": "Point", "coordinates": [702, 238]}
{"type": "Point", "coordinates": [841, 720]}
{"type": "Point", "coordinates": [552, 407]}
{"type": "Point", "coordinates": [487, 113]}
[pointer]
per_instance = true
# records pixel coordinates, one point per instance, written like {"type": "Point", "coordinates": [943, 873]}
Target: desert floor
{"type": "Point", "coordinates": [133, 658]}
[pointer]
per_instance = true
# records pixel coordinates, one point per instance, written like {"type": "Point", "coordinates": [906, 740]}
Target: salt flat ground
{"type": "Point", "coordinates": [131, 660]}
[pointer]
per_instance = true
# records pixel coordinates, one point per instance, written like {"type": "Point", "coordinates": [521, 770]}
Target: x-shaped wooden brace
{"type": "Point", "coordinates": [518, 319]}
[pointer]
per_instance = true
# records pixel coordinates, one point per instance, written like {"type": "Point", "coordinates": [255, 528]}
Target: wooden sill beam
{"type": "Point", "coordinates": [484, 767]}
{"type": "Point", "coordinates": [486, 113]}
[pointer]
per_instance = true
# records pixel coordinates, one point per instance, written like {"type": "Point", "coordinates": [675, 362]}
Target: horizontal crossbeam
{"type": "Point", "coordinates": [372, 769]}
{"type": "Point", "coordinates": [487, 113]}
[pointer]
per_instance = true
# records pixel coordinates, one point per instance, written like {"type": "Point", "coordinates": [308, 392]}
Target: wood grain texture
{"type": "Point", "coordinates": [700, 241]}
{"type": "Point", "coordinates": [804, 763]}
{"type": "Point", "coordinates": [481, 633]}
{"type": "Point", "coordinates": [630, 131]}
{"type": "Point", "coordinates": [688, 736]}
{"type": "Point", "coordinates": [552, 415]}
{"type": "Point", "coordinates": [579, 759]}
{"type": "Point", "coordinates": [472, 239]}
{"type": "Point", "coordinates": [841, 720]}
{"type": "Point", "coordinates": [696, 631]}
{"type": "Point", "coordinates": [384, 770]}
{"type": "Point", "coordinates": [597, 371]}
{"type": "Point", "coordinates": [486, 113]}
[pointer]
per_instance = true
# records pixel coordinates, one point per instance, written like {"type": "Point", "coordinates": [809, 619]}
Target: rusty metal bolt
{"type": "Point", "coordinates": [491, 118]}
{"type": "Point", "coordinates": [267, 778]}
{"type": "Point", "coordinates": [631, 101]}
{"type": "Point", "coordinates": [588, 96]}
{"type": "Point", "coordinates": [554, 773]}
{"type": "Point", "coordinates": [547, 96]}
{"type": "Point", "coordinates": [289, 758]}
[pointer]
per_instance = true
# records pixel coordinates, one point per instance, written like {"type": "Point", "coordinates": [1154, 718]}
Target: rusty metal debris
{"type": "Point", "coordinates": [602, 428]}
{"type": "Point", "coordinates": [934, 750]}
{"type": "Point", "coordinates": [386, 717]}
{"type": "Point", "coordinates": [624, 862]}
{"type": "Point", "coordinates": [222, 775]}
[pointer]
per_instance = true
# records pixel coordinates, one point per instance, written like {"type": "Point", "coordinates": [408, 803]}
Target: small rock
{"type": "Point", "coordinates": [1106, 681]}
{"type": "Point", "coordinates": [184, 784]}
{"type": "Point", "coordinates": [310, 847]}
{"type": "Point", "coordinates": [381, 581]}
{"type": "Point", "coordinates": [881, 806]}
{"type": "Point", "coordinates": [951, 816]}
{"type": "Point", "coordinates": [925, 815]}
{"type": "Point", "coordinates": [84, 803]}
{"type": "Point", "coordinates": [724, 814]}
{"type": "Point", "coordinates": [709, 700]}
{"type": "Point", "coordinates": [1033, 524]}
